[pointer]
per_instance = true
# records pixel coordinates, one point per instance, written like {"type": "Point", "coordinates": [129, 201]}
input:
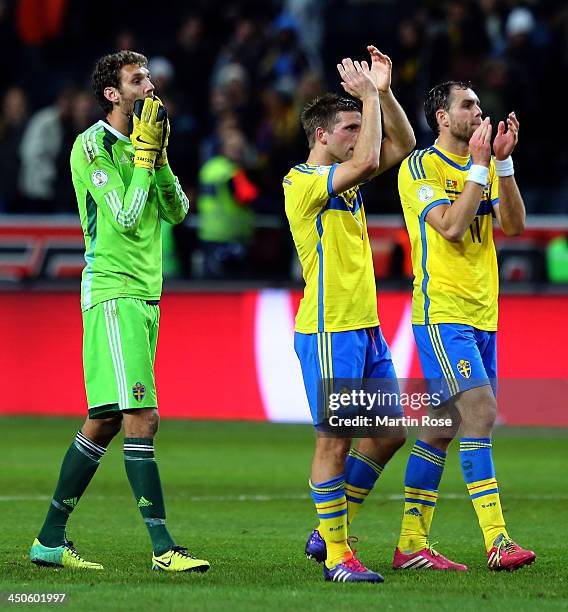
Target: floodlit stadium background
{"type": "Point", "coordinates": [249, 67]}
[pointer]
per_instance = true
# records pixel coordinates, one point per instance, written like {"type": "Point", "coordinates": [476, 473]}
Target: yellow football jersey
{"type": "Point", "coordinates": [454, 282]}
{"type": "Point", "coordinates": [330, 234]}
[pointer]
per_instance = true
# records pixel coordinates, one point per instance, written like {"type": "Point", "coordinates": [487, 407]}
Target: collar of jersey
{"type": "Point", "coordinates": [113, 131]}
{"type": "Point", "coordinates": [457, 161]}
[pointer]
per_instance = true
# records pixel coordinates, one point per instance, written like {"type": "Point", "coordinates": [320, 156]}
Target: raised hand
{"type": "Point", "coordinates": [381, 69]}
{"type": "Point", "coordinates": [480, 144]}
{"type": "Point", "coordinates": [356, 78]}
{"type": "Point", "coordinates": [162, 158]}
{"type": "Point", "coordinates": [147, 131]}
{"type": "Point", "coordinates": [505, 141]}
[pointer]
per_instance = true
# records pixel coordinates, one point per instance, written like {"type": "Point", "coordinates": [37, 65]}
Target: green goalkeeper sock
{"type": "Point", "coordinates": [144, 478]}
{"type": "Point", "coordinates": [78, 468]}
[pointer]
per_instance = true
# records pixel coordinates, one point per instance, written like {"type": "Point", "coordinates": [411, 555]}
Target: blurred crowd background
{"type": "Point", "coordinates": [234, 76]}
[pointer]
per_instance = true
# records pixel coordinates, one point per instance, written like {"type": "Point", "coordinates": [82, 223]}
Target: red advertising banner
{"type": "Point", "coordinates": [230, 355]}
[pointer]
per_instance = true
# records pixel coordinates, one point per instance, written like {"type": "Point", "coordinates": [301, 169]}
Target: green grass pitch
{"type": "Point", "coordinates": [236, 494]}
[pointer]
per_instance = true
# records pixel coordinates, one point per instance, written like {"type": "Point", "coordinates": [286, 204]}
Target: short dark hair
{"type": "Point", "coordinates": [439, 98]}
{"type": "Point", "coordinates": [322, 112]}
{"type": "Point", "coordinates": [107, 74]}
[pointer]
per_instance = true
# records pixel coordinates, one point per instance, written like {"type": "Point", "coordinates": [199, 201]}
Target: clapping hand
{"type": "Point", "coordinates": [356, 78]}
{"type": "Point", "coordinates": [505, 141]}
{"type": "Point", "coordinates": [381, 69]}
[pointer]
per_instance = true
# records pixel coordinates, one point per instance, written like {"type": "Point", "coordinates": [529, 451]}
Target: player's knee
{"type": "Point", "coordinates": [141, 423]}
{"type": "Point", "coordinates": [102, 431]}
{"type": "Point", "coordinates": [488, 415]}
{"type": "Point", "coordinates": [480, 422]}
{"type": "Point", "coordinates": [333, 449]}
{"type": "Point", "coordinates": [382, 449]}
{"type": "Point", "coordinates": [113, 426]}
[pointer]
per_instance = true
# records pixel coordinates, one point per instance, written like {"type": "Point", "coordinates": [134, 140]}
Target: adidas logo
{"type": "Point", "coordinates": [414, 512]}
{"type": "Point", "coordinates": [143, 502]}
{"type": "Point", "coordinates": [72, 502]}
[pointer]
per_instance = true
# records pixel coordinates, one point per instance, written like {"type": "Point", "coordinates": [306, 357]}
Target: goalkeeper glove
{"type": "Point", "coordinates": [162, 158]}
{"type": "Point", "coordinates": [147, 132]}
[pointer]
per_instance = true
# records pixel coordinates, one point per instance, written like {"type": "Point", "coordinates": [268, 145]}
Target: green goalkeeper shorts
{"type": "Point", "coordinates": [119, 348]}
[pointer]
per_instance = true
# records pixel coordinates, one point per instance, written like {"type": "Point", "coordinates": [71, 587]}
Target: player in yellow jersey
{"type": "Point", "coordinates": [450, 194]}
{"type": "Point", "coordinates": [337, 329]}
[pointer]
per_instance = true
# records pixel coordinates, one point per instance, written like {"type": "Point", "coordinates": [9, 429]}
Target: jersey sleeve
{"type": "Point", "coordinates": [493, 184]}
{"type": "Point", "coordinates": [121, 204]}
{"type": "Point", "coordinates": [421, 184]}
{"type": "Point", "coordinates": [307, 189]}
{"type": "Point", "coordinates": [173, 204]}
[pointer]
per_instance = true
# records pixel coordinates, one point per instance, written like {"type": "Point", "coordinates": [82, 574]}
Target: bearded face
{"type": "Point", "coordinates": [464, 114]}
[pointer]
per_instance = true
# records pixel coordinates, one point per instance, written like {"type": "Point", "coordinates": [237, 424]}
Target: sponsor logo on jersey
{"type": "Point", "coordinates": [99, 178]}
{"type": "Point", "coordinates": [139, 391]}
{"type": "Point", "coordinates": [125, 159]}
{"type": "Point", "coordinates": [464, 368]}
{"type": "Point", "coordinates": [425, 193]}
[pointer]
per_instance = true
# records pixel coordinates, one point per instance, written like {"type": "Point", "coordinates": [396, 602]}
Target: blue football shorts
{"type": "Point", "coordinates": [456, 357]}
{"type": "Point", "coordinates": [346, 362]}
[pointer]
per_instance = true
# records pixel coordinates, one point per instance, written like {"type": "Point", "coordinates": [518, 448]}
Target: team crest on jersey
{"type": "Point", "coordinates": [425, 193]}
{"type": "Point", "coordinates": [99, 178]}
{"type": "Point", "coordinates": [450, 184]}
{"type": "Point", "coordinates": [139, 391]}
{"type": "Point", "coordinates": [464, 368]}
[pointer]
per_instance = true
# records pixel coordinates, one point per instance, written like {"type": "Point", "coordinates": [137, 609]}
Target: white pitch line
{"type": "Point", "coordinates": [269, 498]}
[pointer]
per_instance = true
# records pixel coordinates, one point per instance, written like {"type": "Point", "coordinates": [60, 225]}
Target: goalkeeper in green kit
{"type": "Point", "coordinates": [125, 189]}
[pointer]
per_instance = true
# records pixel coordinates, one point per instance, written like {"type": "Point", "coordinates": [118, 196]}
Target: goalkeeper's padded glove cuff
{"type": "Point", "coordinates": [162, 159]}
{"type": "Point", "coordinates": [145, 159]}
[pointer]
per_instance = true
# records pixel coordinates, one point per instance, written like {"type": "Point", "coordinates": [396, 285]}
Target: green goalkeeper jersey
{"type": "Point", "coordinates": [121, 208]}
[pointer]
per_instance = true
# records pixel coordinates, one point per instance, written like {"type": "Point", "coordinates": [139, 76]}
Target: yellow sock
{"type": "Point", "coordinates": [488, 509]}
{"type": "Point", "coordinates": [361, 473]}
{"type": "Point", "coordinates": [419, 506]}
{"type": "Point", "coordinates": [331, 506]}
{"type": "Point", "coordinates": [421, 482]}
{"type": "Point", "coordinates": [477, 465]}
{"type": "Point", "coordinates": [355, 498]}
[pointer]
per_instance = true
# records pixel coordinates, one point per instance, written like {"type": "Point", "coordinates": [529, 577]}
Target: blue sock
{"type": "Point", "coordinates": [361, 473]}
{"type": "Point", "coordinates": [423, 474]}
{"type": "Point", "coordinates": [476, 460]}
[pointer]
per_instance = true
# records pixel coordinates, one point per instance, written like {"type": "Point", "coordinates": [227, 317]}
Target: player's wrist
{"type": "Point", "coordinates": [145, 159]}
{"type": "Point", "coordinates": [370, 97]}
{"type": "Point", "coordinates": [478, 174]}
{"type": "Point", "coordinates": [504, 167]}
{"type": "Point", "coordinates": [161, 160]}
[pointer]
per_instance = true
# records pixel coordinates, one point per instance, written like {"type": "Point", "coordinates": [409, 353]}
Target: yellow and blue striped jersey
{"type": "Point", "coordinates": [454, 282]}
{"type": "Point", "coordinates": [330, 234]}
